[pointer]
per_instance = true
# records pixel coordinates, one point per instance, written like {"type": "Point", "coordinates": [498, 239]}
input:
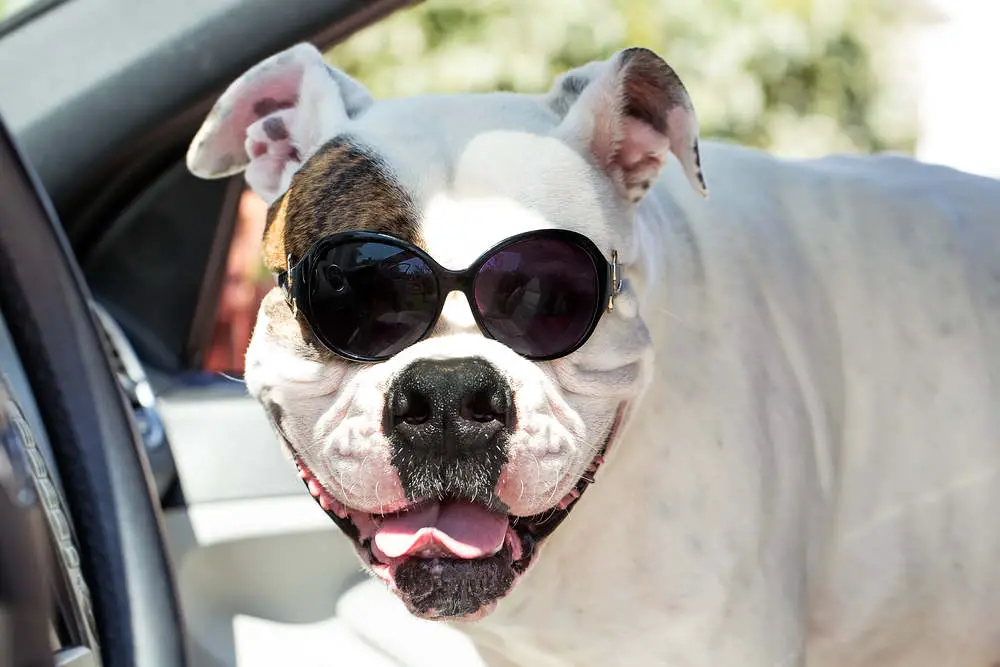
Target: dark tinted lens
{"type": "Point", "coordinates": [539, 296]}
{"type": "Point", "coordinates": [370, 299]}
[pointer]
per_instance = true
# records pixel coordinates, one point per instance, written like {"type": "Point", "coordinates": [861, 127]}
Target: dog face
{"type": "Point", "coordinates": [450, 462]}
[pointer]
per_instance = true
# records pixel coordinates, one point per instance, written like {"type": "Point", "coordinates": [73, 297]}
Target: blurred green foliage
{"type": "Point", "coordinates": [11, 7]}
{"type": "Point", "coordinates": [798, 77]}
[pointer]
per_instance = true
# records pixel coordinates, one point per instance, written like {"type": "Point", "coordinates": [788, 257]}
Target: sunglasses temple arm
{"type": "Point", "coordinates": [616, 281]}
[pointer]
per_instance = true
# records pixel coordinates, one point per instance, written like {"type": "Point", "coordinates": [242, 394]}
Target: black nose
{"type": "Point", "coordinates": [449, 421]}
{"type": "Point", "coordinates": [451, 407]}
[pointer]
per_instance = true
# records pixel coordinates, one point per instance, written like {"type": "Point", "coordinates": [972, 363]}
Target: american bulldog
{"type": "Point", "coordinates": [547, 386]}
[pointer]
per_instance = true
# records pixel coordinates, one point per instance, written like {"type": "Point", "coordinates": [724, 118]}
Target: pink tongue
{"type": "Point", "coordinates": [464, 529]}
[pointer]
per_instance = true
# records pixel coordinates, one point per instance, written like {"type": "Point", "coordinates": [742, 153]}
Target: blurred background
{"type": "Point", "coordinates": [800, 78]}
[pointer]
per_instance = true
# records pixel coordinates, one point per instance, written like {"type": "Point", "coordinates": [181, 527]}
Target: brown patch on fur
{"type": "Point", "coordinates": [289, 330]}
{"type": "Point", "coordinates": [274, 236]}
{"type": "Point", "coordinates": [343, 187]}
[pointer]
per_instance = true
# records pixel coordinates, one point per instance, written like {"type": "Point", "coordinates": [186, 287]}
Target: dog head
{"type": "Point", "coordinates": [449, 462]}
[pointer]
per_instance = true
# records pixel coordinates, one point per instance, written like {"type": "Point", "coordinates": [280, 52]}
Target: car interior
{"type": "Point", "coordinates": [173, 531]}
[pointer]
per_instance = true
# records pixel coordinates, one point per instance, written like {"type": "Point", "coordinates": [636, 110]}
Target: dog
{"type": "Point", "coordinates": [755, 428]}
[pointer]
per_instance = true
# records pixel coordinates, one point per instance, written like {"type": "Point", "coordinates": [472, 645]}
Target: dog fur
{"type": "Point", "coordinates": [810, 460]}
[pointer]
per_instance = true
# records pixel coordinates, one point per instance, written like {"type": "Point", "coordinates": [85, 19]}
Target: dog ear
{"type": "Point", "coordinates": [271, 119]}
{"type": "Point", "coordinates": [628, 112]}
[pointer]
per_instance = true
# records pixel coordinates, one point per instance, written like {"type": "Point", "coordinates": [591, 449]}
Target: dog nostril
{"type": "Point", "coordinates": [411, 408]}
{"type": "Point", "coordinates": [484, 406]}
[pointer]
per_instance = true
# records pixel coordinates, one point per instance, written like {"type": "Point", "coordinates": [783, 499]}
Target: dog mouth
{"type": "Point", "coordinates": [450, 558]}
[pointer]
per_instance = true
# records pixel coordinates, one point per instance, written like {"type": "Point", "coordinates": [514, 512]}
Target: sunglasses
{"type": "Point", "coordinates": [368, 296]}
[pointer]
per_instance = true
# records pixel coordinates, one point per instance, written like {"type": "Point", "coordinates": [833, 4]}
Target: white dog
{"type": "Point", "coordinates": [787, 392]}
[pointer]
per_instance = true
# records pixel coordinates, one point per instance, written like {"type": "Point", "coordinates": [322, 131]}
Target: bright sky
{"type": "Point", "coordinates": [960, 102]}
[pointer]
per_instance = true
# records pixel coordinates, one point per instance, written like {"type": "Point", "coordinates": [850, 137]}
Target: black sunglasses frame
{"type": "Point", "coordinates": [296, 288]}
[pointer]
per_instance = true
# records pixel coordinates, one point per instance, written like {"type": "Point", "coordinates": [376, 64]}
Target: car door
{"type": "Point", "coordinates": [263, 577]}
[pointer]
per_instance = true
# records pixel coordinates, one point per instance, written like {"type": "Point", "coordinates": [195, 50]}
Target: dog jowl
{"type": "Point", "coordinates": [455, 337]}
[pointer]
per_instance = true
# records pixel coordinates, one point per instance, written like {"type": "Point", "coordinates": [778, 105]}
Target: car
{"type": "Point", "coordinates": [147, 516]}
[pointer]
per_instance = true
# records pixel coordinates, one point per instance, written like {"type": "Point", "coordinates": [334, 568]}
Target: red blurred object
{"type": "Point", "coordinates": [245, 285]}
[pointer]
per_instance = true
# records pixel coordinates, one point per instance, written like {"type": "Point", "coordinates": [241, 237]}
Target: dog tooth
{"type": "Point", "coordinates": [335, 506]}
{"type": "Point", "coordinates": [568, 499]}
{"type": "Point", "coordinates": [314, 488]}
